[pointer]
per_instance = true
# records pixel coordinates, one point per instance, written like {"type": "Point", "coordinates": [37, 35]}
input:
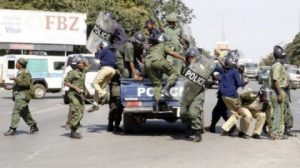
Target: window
{"type": "Point", "coordinates": [11, 64]}
{"type": "Point", "coordinates": [59, 65]}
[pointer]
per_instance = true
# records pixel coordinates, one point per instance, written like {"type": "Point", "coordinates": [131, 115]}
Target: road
{"type": "Point", "coordinates": [160, 145]}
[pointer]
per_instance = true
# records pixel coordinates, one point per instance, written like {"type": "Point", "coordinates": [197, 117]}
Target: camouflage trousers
{"type": "Point", "coordinates": [288, 114]}
{"type": "Point", "coordinates": [76, 107]}
{"type": "Point", "coordinates": [155, 70]}
{"type": "Point", "coordinates": [21, 109]}
{"type": "Point", "coordinates": [275, 116]}
{"type": "Point", "coordinates": [191, 114]}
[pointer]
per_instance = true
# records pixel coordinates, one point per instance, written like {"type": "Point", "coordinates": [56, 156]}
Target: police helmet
{"type": "Point", "coordinates": [265, 92]}
{"type": "Point", "coordinates": [231, 59]}
{"type": "Point", "coordinates": [109, 14]}
{"type": "Point", "coordinates": [139, 37]}
{"type": "Point", "coordinates": [278, 52]}
{"type": "Point", "coordinates": [192, 52]}
{"type": "Point", "coordinates": [171, 17]}
{"type": "Point", "coordinates": [163, 38]}
{"type": "Point", "coordinates": [77, 59]}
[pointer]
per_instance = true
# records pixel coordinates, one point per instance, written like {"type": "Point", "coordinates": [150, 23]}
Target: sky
{"type": "Point", "coordinates": [253, 27]}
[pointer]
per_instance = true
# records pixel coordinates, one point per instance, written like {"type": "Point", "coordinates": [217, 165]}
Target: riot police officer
{"type": "Point", "coordinates": [75, 81]}
{"type": "Point", "coordinates": [277, 81]}
{"type": "Point", "coordinates": [190, 111]}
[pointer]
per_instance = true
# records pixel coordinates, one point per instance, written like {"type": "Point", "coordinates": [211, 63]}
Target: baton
{"type": "Point", "coordinates": [80, 95]}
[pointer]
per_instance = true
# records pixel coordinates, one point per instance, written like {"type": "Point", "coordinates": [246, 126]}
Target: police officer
{"type": "Point", "coordinates": [174, 31]}
{"type": "Point", "coordinates": [190, 112]}
{"type": "Point", "coordinates": [130, 53]}
{"type": "Point", "coordinates": [152, 31]}
{"type": "Point", "coordinates": [75, 81]}
{"type": "Point", "coordinates": [254, 105]}
{"type": "Point", "coordinates": [156, 65]}
{"type": "Point", "coordinates": [277, 81]}
{"type": "Point", "coordinates": [22, 93]}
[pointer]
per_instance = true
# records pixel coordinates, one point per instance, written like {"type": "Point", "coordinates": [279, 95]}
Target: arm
{"type": "Point", "coordinates": [238, 79]}
{"type": "Point", "coordinates": [133, 72]}
{"type": "Point", "coordinates": [174, 54]}
{"type": "Point", "coordinates": [67, 82]}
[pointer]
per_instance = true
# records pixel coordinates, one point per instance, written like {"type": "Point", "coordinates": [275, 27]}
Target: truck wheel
{"type": "Point", "coordinates": [129, 123]}
{"type": "Point", "coordinates": [39, 91]}
{"type": "Point", "coordinates": [66, 99]}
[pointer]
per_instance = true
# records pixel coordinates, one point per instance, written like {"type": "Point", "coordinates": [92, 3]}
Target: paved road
{"type": "Point", "coordinates": [160, 145]}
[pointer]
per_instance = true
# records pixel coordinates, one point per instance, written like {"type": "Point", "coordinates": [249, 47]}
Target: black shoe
{"type": "Point", "coordinates": [198, 136]}
{"type": "Point", "coordinates": [93, 108]}
{"type": "Point", "coordinates": [118, 129]}
{"type": "Point", "coordinates": [243, 135]}
{"type": "Point", "coordinates": [166, 90]}
{"type": "Point", "coordinates": [210, 129]}
{"type": "Point", "coordinates": [33, 129]}
{"type": "Point", "coordinates": [256, 136]}
{"type": "Point", "coordinates": [75, 135]}
{"type": "Point", "coordinates": [104, 99]}
{"type": "Point", "coordinates": [10, 132]}
{"type": "Point", "coordinates": [110, 128]}
{"type": "Point", "coordinates": [287, 132]}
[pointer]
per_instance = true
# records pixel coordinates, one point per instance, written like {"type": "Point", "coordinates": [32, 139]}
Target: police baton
{"type": "Point", "coordinates": [80, 95]}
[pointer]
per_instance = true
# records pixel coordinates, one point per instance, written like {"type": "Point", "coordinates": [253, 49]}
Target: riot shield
{"type": "Point", "coordinates": [193, 78]}
{"type": "Point", "coordinates": [102, 32]}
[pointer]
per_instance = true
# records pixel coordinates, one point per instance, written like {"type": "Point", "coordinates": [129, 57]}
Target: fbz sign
{"type": "Point", "coordinates": [41, 27]}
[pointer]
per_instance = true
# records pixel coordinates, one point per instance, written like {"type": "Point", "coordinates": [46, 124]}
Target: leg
{"type": "Point", "coordinates": [260, 121]}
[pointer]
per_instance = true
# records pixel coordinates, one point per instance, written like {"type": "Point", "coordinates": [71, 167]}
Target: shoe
{"type": "Point", "coordinates": [34, 129]}
{"type": "Point", "coordinates": [166, 90]}
{"type": "Point", "coordinates": [271, 137]}
{"type": "Point", "coordinates": [93, 108]}
{"type": "Point", "coordinates": [287, 132]}
{"type": "Point", "coordinates": [282, 137]}
{"type": "Point", "coordinates": [225, 133]}
{"type": "Point", "coordinates": [10, 132]}
{"type": "Point", "coordinates": [256, 136]}
{"type": "Point", "coordinates": [209, 129]}
{"type": "Point", "coordinates": [198, 136]}
{"type": "Point", "coordinates": [243, 135]}
{"type": "Point", "coordinates": [118, 129]}
{"type": "Point", "coordinates": [75, 135]}
{"type": "Point", "coordinates": [110, 128]}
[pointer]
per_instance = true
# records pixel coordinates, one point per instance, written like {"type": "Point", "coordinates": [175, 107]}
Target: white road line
{"type": "Point", "coordinates": [36, 153]}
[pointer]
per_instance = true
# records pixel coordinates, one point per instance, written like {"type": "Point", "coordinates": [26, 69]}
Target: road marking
{"type": "Point", "coordinates": [36, 153]}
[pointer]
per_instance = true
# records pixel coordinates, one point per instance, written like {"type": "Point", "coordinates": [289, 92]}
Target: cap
{"type": "Point", "coordinates": [22, 61]}
{"type": "Point", "coordinates": [150, 21]}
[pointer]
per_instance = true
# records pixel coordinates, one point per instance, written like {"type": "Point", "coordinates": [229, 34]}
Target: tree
{"type": "Point", "coordinates": [293, 51]}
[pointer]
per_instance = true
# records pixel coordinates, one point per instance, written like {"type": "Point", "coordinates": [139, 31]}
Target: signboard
{"type": "Point", "coordinates": [39, 27]}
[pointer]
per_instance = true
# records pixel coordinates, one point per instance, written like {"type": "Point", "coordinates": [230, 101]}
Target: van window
{"type": "Point", "coordinates": [11, 64]}
{"type": "Point", "coordinates": [58, 65]}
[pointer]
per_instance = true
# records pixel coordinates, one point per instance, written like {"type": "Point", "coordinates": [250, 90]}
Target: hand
{"type": "Point", "coordinates": [137, 78]}
{"type": "Point", "coordinates": [78, 90]}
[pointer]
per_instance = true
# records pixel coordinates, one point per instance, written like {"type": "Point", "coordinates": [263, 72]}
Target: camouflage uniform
{"type": "Point", "coordinates": [156, 65]}
{"type": "Point", "coordinates": [76, 103]}
{"type": "Point", "coordinates": [21, 96]}
{"type": "Point", "coordinates": [191, 114]}
{"type": "Point", "coordinates": [276, 117]}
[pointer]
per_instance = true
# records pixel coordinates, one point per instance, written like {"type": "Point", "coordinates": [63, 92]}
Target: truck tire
{"type": "Point", "coordinates": [66, 99]}
{"type": "Point", "coordinates": [39, 91]}
{"type": "Point", "coordinates": [129, 123]}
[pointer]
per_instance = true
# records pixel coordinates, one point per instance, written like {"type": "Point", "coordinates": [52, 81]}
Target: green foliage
{"type": "Point", "coordinates": [293, 51]}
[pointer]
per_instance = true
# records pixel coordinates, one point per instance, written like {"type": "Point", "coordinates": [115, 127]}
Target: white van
{"type": "Point", "coordinates": [89, 78]}
{"type": "Point", "coordinates": [46, 72]}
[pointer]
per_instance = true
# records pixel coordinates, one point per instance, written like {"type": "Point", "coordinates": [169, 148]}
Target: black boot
{"type": "Point", "coordinates": [189, 132]}
{"type": "Point", "coordinates": [287, 131]}
{"type": "Point", "coordinates": [11, 132]}
{"type": "Point", "coordinates": [166, 90]}
{"type": "Point", "coordinates": [155, 106]}
{"type": "Point", "coordinates": [110, 126]}
{"type": "Point", "coordinates": [34, 129]}
{"type": "Point", "coordinates": [74, 134]}
{"type": "Point", "coordinates": [117, 127]}
{"type": "Point", "coordinates": [198, 136]}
